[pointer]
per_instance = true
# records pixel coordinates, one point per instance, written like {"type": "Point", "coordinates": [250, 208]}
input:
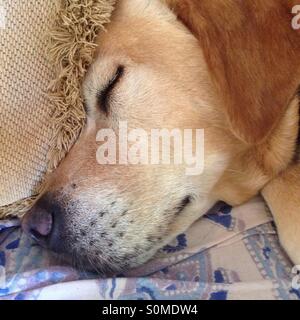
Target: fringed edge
{"type": "Point", "coordinates": [71, 49]}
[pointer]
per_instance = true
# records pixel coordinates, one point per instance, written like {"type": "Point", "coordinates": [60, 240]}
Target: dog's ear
{"type": "Point", "coordinates": [252, 53]}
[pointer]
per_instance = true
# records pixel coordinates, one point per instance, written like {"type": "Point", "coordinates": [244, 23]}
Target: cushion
{"type": "Point", "coordinates": [46, 47]}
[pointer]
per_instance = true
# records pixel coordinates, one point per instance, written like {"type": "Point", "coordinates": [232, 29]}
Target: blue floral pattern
{"type": "Point", "coordinates": [205, 262]}
{"type": "Point", "coordinates": [222, 216]}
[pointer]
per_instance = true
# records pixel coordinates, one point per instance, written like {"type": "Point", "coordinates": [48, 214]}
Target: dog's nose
{"type": "Point", "coordinates": [39, 224]}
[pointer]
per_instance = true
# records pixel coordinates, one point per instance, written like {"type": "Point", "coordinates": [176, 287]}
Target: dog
{"type": "Point", "coordinates": [229, 67]}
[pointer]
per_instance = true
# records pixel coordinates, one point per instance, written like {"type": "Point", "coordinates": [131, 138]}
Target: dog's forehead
{"type": "Point", "coordinates": [145, 8]}
{"type": "Point", "coordinates": [144, 27]}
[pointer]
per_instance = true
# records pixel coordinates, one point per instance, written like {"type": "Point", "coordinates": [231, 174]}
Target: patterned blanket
{"type": "Point", "coordinates": [230, 253]}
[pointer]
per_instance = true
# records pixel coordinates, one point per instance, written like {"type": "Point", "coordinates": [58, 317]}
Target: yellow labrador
{"type": "Point", "coordinates": [229, 67]}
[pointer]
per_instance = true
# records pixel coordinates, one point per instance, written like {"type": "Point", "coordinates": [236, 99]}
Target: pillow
{"type": "Point", "coordinates": [41, 108]}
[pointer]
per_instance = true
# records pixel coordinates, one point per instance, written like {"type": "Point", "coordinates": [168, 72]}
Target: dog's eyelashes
{"type": "Point", "coordinates": [104, 94]}
{"type": "Point", "coordinates": [183, 204]}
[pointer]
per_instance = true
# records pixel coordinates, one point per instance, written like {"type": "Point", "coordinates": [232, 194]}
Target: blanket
{"type": "Point", "coordinates": [230, 253]}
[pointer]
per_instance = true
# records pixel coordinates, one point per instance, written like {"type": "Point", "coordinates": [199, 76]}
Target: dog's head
{"type": "Point", "coordinates": [172, 65]}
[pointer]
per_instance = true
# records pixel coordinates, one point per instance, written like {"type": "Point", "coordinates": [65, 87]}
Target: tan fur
{"type": "Point", "coordinates": [253, 55]}
{"type": "Point", "coordinates": [282, 196]}
{"type": "Point", "coordinates": [231, 68]}
{"type": "Point", "coordinates": [252, 167]}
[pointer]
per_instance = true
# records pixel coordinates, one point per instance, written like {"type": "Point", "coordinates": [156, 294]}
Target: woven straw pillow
{"type": "Point", "coordinates": [38, 126]}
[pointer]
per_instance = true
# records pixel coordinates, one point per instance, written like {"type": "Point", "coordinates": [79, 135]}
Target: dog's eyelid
{"type": "Point", "coordinates": [103, 94]}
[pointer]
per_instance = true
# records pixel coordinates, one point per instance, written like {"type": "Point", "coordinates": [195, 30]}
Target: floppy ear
{"type": "Point", "coordinates": [253, 55]}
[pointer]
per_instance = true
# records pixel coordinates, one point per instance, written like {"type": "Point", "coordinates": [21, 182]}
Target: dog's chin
{"type": "Point", "coordinates": [108, 267]}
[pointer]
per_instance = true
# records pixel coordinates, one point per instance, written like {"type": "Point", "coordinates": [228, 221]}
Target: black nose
{"type": "Point", "coordinates": [44, 224]}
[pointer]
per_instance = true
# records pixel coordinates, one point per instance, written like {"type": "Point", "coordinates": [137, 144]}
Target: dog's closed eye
{"type": "Point", "coordinates": [104, 94]}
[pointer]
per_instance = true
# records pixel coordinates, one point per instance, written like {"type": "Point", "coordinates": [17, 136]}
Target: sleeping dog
{"type": "Point", "coordinates": [229, 67]}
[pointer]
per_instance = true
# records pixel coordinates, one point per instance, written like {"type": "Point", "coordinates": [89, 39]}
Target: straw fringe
{"type": "Point", "coordinates": [71, 48]}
